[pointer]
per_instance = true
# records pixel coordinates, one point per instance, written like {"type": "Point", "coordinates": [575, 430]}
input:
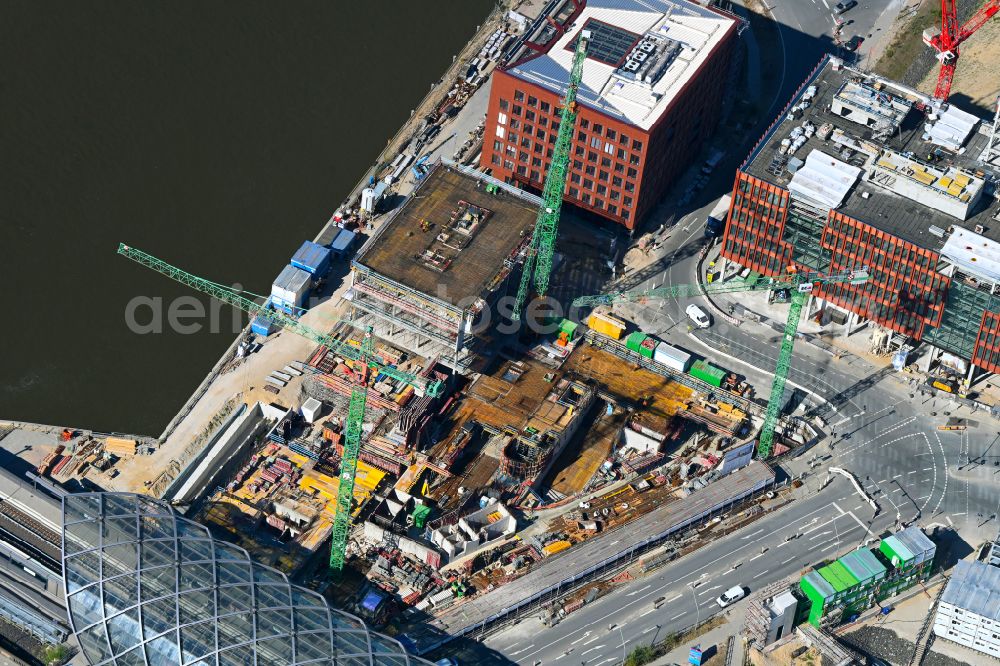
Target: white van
{"type": "Point", "coordinates": [698, 316]}
{"type": "Point", "coordinates": [731, 596]}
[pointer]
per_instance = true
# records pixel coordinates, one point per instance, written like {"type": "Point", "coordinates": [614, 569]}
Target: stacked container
{"type": "Point", "coordinates": [343, 243]}
{"type": "Point", "coordinates": [869, 572]}
{"type": "Point", "coordinates": [312, 258]}
{"type": "Point", "coordinates": [911, 555]}
{"type": "Point", "coordinates": [820, 594]}
{"type": "Point", "coordinates": [290, 289]}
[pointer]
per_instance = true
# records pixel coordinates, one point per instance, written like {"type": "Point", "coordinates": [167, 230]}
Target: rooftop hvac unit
{"type": "Point", "coordinates": [647, 46]}
{"type": "Point", "coordinates": [631, 66]}
{"type": "Point", "coordinates": [640, 56]}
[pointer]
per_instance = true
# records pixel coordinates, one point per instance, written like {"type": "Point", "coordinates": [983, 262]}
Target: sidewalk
{"type": "Point", "coordinates": [713, 644]}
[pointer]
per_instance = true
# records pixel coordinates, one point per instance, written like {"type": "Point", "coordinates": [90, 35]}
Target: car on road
{"type": "Point", "coordinates": [844, 6]}
{"type": "Point", "coordinates": [731, 596]}
{"type": "Point", "coordinates": [698, 316]}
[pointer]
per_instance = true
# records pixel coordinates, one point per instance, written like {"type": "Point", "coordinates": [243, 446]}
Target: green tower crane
{"type": "Point", "coordinates": [800, 285]}
{"type": "Point", "coordinates": [538, 259]}
{"type": "Point", "coordinates": [363, 356]}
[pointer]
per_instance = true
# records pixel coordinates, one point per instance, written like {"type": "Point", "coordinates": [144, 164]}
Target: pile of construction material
{"type": "Point", "coordinates": [120, 447]}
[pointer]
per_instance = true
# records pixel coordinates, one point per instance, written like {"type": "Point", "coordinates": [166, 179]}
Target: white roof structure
{"type": "Point", "coordinates": [824, 180]}
{"type": "Point", "coordinates": [670, 40]}
{"type": "Point", "coordinates": [952, 128]}
{"type": "Point", "coordinates": [973, 253]}
{"type": "Point", "coordinates": [974, 587]}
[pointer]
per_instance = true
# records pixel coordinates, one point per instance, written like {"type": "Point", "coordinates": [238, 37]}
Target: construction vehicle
{"type": "Point", "coordinates": [538, 258]}
{"type": "Point", "coordinates": [363, 356]}
{"type": "Point", "coordinates": [800, 284]}
{"type": "Point", "coordinates": [947, 39]}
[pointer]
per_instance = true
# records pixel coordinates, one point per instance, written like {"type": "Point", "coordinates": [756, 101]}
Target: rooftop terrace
{"type": "Point", "coordinates": [451, 237]}
{"type": "Point", "coordinates": [878, 161]}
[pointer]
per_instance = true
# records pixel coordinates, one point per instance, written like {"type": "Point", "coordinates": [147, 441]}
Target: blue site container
{"type": "Point", "coordinates": [343, 243]}
{"type": "Point", "coordinates": [312, 258]}
{"type": "Point", "coordinates": [261, 325]}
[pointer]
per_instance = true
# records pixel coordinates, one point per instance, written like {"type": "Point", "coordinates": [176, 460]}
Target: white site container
{"type": "Point", "coordinates": [290, 288]}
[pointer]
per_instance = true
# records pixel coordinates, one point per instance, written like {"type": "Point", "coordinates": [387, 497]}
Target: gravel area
{"type": "Point", "coordinates": [885, 644]}
{"type": "Point", "coordinates": [926, 59]}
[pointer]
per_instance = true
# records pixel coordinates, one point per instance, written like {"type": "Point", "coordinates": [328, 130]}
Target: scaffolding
{"type": "Point", "coordinates": [758, 616]}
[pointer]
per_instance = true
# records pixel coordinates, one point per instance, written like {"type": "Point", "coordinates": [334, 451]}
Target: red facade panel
{"type": "Point", "coordinates": [756, 223]}
{"type": "Point", "coordinates": [904, 292]}
{"type": "Point", "coordinates": [986, 353]}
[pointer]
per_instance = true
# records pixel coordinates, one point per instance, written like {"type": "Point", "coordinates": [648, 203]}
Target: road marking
{"type": "Point", "coordinates": [677, 616]}
{"type": "Point", "coordinates": [635, 592]}
{"type": "Point", "coordinates": [756, 557]}
{"type": "Point", "coordinates": [927, 469]}
{"type": "Point", "coordinates": [580, 638]}
{"type": "Point", "coordinates": [592, 640]}
{"type": "Point", "coordinates": [648, 629]}
{"type": "Point", "coordinates": [826, 3]}
{"type": "Point", "coordinates": [726, 556]}
{"type": "Point", "coordinates": [753, 534]}
{"type": "Point", "coordinates": [789, 560]}
{"type": "Point", "coordinates": [851, 514]}
{"type": "Point", "coordinates": [761, 574]}
{"type": "Point", "coordinates": [522, 650]}
{"type": "Point", "coordinates": [647, 612]}
{"type": "Point", "coordinates": [674, 598]}
{"type": "Point", "coordinates": [596, 647]}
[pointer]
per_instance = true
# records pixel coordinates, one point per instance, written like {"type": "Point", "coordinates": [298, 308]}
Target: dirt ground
{"type": "Point", "coordinates": [977, 81]}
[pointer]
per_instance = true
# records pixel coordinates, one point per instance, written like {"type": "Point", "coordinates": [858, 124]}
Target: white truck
{"type": "Point", "coordinates": [715, 225]}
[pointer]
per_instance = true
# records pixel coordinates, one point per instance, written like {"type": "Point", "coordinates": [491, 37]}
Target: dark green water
{"type": "Point", "coordinates": [215, 135]}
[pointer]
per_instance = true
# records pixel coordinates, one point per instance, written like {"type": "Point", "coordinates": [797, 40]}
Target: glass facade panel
{"type": "Point", "coordinates": [152, 589]}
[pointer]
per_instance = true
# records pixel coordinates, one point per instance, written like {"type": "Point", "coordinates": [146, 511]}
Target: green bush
{"type": "Point", "coordinates": [640, 655]}
{"type": "Point", "coordinates": [55, 655]}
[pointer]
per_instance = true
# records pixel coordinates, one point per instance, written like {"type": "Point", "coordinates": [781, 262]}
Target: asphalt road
{"type": "Point", "coordinates": [831, 522]}
{"type": "Point", "coordinates": [888, 439]}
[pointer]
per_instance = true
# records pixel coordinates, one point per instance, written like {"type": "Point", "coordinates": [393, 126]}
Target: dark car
{"type": "Point", "coordinates": [854, 43]}
{"type": "Point", "coordinates": [844, 6]}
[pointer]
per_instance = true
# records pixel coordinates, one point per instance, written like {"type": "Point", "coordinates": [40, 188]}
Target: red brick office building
{"type": "Point", "coordinates": [652, 88]}
{"type": "Point", "coordinates": [853, 173]}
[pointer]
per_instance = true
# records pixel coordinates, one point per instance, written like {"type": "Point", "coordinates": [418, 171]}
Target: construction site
{"type": "Point", "coordinates": [464, 479]}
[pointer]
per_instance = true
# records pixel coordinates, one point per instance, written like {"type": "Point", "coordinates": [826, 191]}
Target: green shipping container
{"type": "Point", "coordinates": [864, 566]}
{"type": "Point", "coordinates": [839, 577]}
{"type": "Point", "coordinates": [568, 327]}
{"type": "Point", "coordinates": [819, 592]}
{"type": "Point", "coordinates": [707, 373]}
{"type": "Point", "coordinates": [648, 347]}
{"type": "Point", "coordinates": [634, 341]}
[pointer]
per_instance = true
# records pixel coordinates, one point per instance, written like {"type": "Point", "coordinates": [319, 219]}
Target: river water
{"type": "Point", "coordinates": [215, 135]}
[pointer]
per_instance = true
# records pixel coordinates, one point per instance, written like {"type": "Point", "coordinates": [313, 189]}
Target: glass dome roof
{"type": "Point", "coordinates": [145, 586]}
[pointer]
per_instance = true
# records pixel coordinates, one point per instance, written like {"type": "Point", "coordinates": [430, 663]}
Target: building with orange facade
{"type": "Point", "coordinates": [652, 88]}
{"type": "Point", "coordinates": [858, 172]}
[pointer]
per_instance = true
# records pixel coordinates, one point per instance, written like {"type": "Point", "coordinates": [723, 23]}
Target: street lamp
{"type": "Point", "coordinates": [697, 610]}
